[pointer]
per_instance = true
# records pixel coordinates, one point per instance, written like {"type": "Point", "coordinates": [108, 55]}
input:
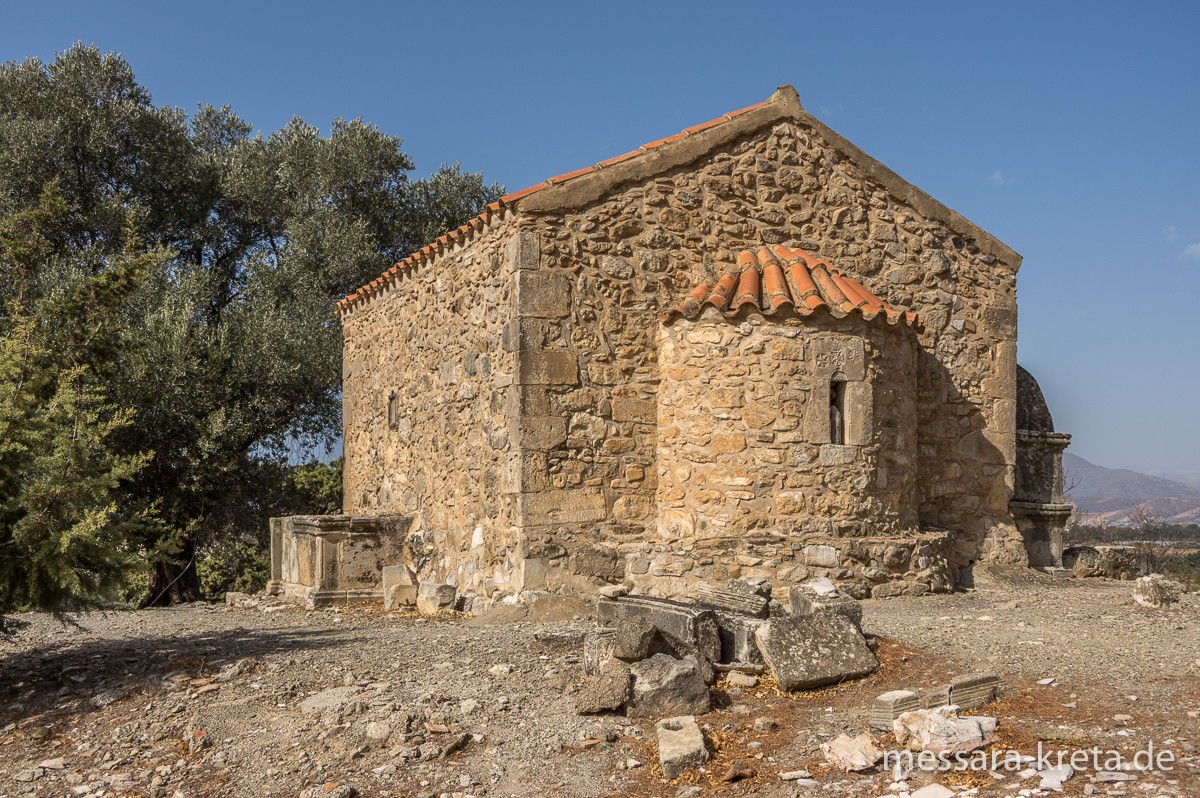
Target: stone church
{"type": "Point", "coordinates": [745, 350]}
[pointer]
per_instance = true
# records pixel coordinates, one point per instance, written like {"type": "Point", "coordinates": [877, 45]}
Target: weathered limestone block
{"type": "Point", "coordinates": [542, 294]}
{"type": "Point", "coordinates": [397, 596]}
{"type": "Point", "coordinates": [433, 598]}
{"type": "Point", "coordinates": [547, 367]}
{"type": "Point", "coordinates": [1156, 590]}
{"type": "Point", "coordinates": [680, 746]}
{"type": "Point", "coordinates": [605, 691]}
{"type": "Point", "coordinates": [891, 705]}
{"type": "Point", "coordinates": [731, 601]}
{"type": "Point", "coordinates": [805, 651]}
{"type": "Point", "coordinates": [823, 556]}
{"type": "Point", "coordinates": [598, 648]}
{"type": "Point", "coordinates": [805, 601]}
{"type": "Point", "coordinates": [738, 643]}
{"type": "Point", "coordinates": [634, 639]}
{"type": "Point", "coordinates": [564, 506]}
{"type": "Point", "coordinates": [966, 692]}
{"type": "Point", "coordinates": [695, 627]}
{"type": "Point", "coordinates": [664, 686]}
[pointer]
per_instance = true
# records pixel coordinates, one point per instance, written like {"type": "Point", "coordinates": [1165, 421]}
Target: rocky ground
{"type": "Point", "coordinates": [276, 701]}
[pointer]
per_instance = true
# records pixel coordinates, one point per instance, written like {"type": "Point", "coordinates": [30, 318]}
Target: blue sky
{"type": "Point", "coordinates": [1069, 131]}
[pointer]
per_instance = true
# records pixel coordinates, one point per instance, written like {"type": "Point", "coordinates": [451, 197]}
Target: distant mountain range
{"type": "Point", "coordinates": [1114, 495]}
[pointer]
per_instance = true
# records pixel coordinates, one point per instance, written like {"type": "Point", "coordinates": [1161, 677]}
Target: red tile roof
{"type": "Point", "coordinates": [466, 231]}
{"type": "Point", "coordinates": [771, 280]}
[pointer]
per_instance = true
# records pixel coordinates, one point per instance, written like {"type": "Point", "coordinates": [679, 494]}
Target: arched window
{"type": "Point", "coordinates": [837, 412]}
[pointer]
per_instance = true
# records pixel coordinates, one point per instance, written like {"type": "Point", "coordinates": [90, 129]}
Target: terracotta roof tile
{"type": "Point", "coordinates": [807, 284]}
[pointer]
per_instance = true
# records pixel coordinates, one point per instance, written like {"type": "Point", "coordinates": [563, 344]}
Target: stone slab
{"type": "Point", "coordinates": [806, 651]}
{"type": "Point", "coordinates": [695, 626]}
{"type": "Point", "coordinates": [598, 648]}
{"type": "Point", "coordinates": [731, 601]}
{"type": "Point", "coordinates": [974, 689]}
{"type": "Point", "coordinates": [806, 602]}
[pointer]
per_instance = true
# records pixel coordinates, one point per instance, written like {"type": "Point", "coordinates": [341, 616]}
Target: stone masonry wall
{"type": "Point", "coordinates": [621, 259]}
{"type": "Point", "coordinates": [430, 410]}
{"type": "Point", "coordinates": [748, 475]}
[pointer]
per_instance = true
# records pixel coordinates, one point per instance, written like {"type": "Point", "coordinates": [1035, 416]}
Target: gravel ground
{"type": "Point", "coordinates": [207, 700]}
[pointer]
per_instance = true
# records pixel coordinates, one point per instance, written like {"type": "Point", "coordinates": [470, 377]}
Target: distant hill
{"type": "Point", "coordinates": [1111, 495]}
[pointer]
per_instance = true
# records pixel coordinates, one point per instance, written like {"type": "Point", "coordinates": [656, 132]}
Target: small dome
{"type": "Point", "coordinates": [1032, 413]}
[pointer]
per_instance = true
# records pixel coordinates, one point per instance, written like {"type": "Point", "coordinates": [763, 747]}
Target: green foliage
{"type": "Point", "coordinates": [1185, 568]}
{"type": "Point", "coordinates": [61, 531]}
{"type": "Point", "coordinates": [227, 355]}
{"type": "Point", "coordinates": [241, 564]}
{"type": "Point", "coordinates": [317, 487]}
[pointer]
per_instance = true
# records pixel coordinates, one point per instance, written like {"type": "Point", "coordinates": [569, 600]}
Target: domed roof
{"type": "Point", "coordinates": [1032, 413]}
{"type": "Point", "coordinates": [771, 280]}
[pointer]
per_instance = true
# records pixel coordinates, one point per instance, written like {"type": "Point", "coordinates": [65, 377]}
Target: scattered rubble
{"type": "Point", "coordinates": [941, 730]}
{"type": "Point", "coordinates": [852, 754]}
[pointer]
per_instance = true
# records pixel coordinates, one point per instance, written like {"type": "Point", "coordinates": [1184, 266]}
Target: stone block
{"type": "Point", "coordinates": [397, 596]}
{"type": "Point", "coordinates": [806, 651]}
{"type": "Point", "coordinates": [531, 574]}
{"type": "Point", "coordinates": [731, 601]}
{"type": "Point", "coordinates": [852, 754]}
{"type": "Point", "coordinates": [569, 506]}
{"type": "Point", "coordinates": [941, 731]}
{"type": "Point", "coordinates": [542, 294]}
{"type": "Point", "coordinates": [823, 556]}
{"type": "Point", "coordinates": [598, 648]}
{"type": "Point", "coordinates": [727, 444]}
{"type": "Point", "coordinates": [634, 410]}
{"type": "Point", "coordinates": [693, 626]}
{"type": "Point", "coordinates": [663, 685]}
{"type": "Point", "coordinates": [433, 597]}
{"type": "Point", "coordinates": [842, 357]}
{"type": "Point", "coordinates": [837, 455]}
{"type": "Point", "coordinates": [524, 251]}
{"type": "Point", "coordinates": [680, 746]}
{"type": "Point", "coordinates": [543, 432]}
{"type": "Point", "coordinates": [738, 643]}
{"type": "Point", "coordinates": [547, 367]}
{"type": "Point", "coordinates": [973, 690]}
{"type": "Point", "coordinates": [805, 601]}
{"type": "Point", "coordinates": [891, 705]}
{"type": "Point", "coordinates": [1156, 590]}
{"type": "Point", "coordinates": [601, 562]}
{"type": "Point", "coordinates": [398, 575]}
{"type": "Point", "coordinates": [634, 640]}
{"type": "Point", "coordinates": [605, 691]}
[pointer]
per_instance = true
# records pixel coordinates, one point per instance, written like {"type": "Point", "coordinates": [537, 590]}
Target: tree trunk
{"type": "Point", "coordinates": [174, 581]}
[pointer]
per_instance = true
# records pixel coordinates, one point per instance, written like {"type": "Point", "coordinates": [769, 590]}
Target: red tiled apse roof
{"type": "Point", "coordinates": [771, 280]}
